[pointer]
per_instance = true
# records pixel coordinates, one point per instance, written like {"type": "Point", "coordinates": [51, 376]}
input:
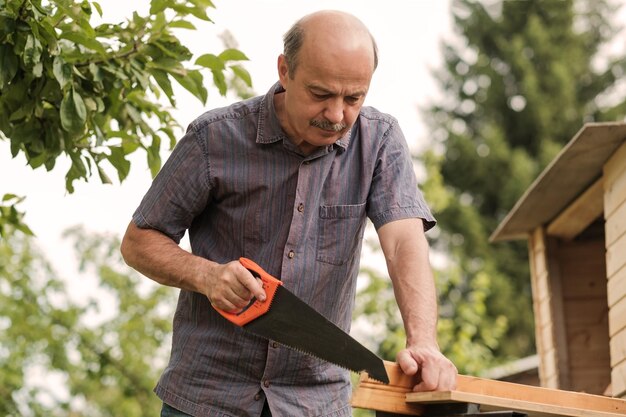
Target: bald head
{"type": "Point", "coordinates": [330, 30]}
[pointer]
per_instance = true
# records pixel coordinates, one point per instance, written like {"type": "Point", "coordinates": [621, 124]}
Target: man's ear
{"type": "Point", "coordinates": [283, 71]}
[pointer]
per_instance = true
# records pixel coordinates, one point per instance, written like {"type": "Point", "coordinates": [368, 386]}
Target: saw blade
{"type": "Point", "coordinates": [293, 323]}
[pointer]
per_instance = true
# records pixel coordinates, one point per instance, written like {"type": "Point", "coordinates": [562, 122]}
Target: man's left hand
{"type": "Point", "coordinates": [436, 371]}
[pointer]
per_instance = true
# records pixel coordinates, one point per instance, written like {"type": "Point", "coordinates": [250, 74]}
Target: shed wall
{"type": "Point", "coordinates": [615, 226]}
{"type": "Point", "coordinates": [548, 310]}
{"type": "Point", "coordinates": [584, 291]}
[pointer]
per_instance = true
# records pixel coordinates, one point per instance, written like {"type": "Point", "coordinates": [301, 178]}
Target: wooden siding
{"type": "Point", "coordinates": [615, 227]}
{"type": "Point", "coordinates": [583, 274]}
{"type": "Point", "coordinates": [548, 308]}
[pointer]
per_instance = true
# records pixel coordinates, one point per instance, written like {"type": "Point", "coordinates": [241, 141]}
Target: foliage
{"type": "Point", "coordinates": [97, 94]}
{"type": "Point", "coordinates": [11, 219]}
{"type": "Point", "coordinates": [95, 357]}
{"type": "Point", "coordinates": [520, 79]}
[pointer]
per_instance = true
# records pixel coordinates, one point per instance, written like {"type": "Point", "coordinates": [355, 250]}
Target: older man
{"type": "Point", "coordinates": [287, 179]}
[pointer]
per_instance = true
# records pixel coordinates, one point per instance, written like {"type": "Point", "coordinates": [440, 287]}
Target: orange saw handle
{"type": "Point", "coordinates": [256, 307]}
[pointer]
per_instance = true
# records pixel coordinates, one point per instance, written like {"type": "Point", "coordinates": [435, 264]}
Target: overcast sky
{"type": "Point", "coordinates": [408, 34]}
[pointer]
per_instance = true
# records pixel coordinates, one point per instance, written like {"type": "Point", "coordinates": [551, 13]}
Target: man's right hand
{"type": "Point", "coordinates": [230, 287]}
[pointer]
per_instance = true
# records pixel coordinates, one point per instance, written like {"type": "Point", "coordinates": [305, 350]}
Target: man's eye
{"type": "Point", "coordinates": [352, 100]}
{"type": "Point", "coordinates": [321, 96]}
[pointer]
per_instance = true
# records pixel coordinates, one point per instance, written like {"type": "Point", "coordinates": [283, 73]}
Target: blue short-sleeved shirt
{"type": "Point", "coordinates": [241, 188]}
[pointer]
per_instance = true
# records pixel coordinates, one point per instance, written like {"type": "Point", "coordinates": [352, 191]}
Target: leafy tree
{"type": "Point", "coordinates": [97, 94]}
{"type": "Point", "coordinates": [519, 80]}
{"type": "Point", "coordinates": [93, 94]}
{"type": "Point", "coordinates": [98, 357]}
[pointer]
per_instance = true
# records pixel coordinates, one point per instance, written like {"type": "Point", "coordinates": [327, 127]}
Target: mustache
{"type": "Point", "coordinates": [326, 125]}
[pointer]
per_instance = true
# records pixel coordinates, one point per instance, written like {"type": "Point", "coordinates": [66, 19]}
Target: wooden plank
{"type": "Point", "coordinates": [588, 312]}
{"type": "Point", "coordinates": [373, 395]}
{"type": "Point", "coordinates": [494, 404]}
{"type": "Point", "coordinates": [618, 348]}
{"type": "Point", "coordinates": [580, 214]}
{"type": "Point", "coordinates": [615, 186]}
{"type": "Point", "coordinates": [546, 333]}
{"type": "Point", "coordinates": [616, 256]}
{"type": "Point", "coordinates": [490, 394]}
{"type": "Point", "coordinates": [590, 380]}
{"type": "Point", "coordinates": [559, 314]}
{"type": "Point", "coordinates": [617, 317]}
{"type": "Point", "coordinates": [618, 380]}
{"type": "Point", "coordinates": [616, 287]}
{"type": "Point", "coordinates": [538, 281]}
{"type": "Point", "coordinates": [615, 225]}
{"type": "Point", "coordinates": [589, 347]}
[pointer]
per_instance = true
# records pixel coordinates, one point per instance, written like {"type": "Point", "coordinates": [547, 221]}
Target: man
{"type": "Point", "coordinates": [286, 180]}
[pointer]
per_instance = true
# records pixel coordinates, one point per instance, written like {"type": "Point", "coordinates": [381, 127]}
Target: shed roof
{"type": "Point", "coordinates": [574, 169]}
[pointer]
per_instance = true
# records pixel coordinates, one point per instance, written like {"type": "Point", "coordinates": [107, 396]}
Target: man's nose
{"type": "Point", "coordinates": [334, 110]}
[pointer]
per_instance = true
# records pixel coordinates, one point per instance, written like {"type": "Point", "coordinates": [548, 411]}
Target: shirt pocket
{"type": "Point", "coordinates": [341, 228]}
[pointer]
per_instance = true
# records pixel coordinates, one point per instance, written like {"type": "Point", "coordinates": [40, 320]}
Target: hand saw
{"type": "Point", "coordinates": [288, 320]}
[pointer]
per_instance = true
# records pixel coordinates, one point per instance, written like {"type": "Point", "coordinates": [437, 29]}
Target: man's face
{"type": "Point", "coordinates": [323, 98]}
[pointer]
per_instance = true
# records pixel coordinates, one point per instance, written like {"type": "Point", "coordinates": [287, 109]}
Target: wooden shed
{"type": "Point", "coordinates": [574, 217]}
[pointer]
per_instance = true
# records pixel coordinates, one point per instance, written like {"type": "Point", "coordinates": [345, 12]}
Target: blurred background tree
{"type": "Point", "coordinates": [97, 356]}
{"type": "Point", "coordinates": [93, 94]}
{"type": "Point", "coordinates": [520, 79]}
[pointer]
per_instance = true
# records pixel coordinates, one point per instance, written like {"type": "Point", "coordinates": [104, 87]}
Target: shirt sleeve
{"type": "Point", "coordinates": [394, 193]}
{"type": "Point", "coordinates": [179, 192]}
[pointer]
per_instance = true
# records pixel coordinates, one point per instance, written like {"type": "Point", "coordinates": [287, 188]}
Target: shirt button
{"type": "Point", "coordinates": [274, 345]}
{"type": "Point", "coordinates": [257, 397]}
{"type": "Point", "coordinates": [266, 383]}
{"type": "Point", "coordinates": [300, 207]}
{"type": "Point", "coordinates": [291, 254]}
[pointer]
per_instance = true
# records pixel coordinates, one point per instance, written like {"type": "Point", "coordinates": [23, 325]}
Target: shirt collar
{"type": "Point", "coordinates": [270, 131]}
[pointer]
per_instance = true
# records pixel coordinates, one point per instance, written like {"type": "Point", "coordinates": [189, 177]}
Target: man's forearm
{"type": "Point", "coordinates": [159, 258]}
{"type": "Point", "coordinates": [406, 253]}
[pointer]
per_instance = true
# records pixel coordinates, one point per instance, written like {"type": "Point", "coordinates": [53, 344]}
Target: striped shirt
{"type": "Point", "coordinates": [241, 188]}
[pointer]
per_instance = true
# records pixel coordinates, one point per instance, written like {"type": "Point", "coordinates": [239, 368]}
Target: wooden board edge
{"type": "Point", "coordinates": [500, 403]}
{"type": "Point", "coordinates": [393, 397]}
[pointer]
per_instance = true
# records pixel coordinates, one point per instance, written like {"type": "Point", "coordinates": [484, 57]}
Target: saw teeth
{"type": "Point", "coordinates": [318, 358]}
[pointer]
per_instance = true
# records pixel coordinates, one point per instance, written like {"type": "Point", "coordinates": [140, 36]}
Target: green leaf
{"type": "Point", "coordinates": [220, 81]}
{"type": "Point", "coordinates": [23, 112]}
{"type": "Point", "coordinates": [8, 69]}
{"type": "Point", "coordinates": [157, 6]}
{"type": "Point", "coordinates": [182, 24]}
{"type": "Point", "coordinates": [163, 81]}
{"type": "Point", "coordinates": [73, 111]}
{"type": "Point", "coordinates": [210, 61]}
{"type": "Point", "coordinates": [8, 197]}
{"type": "Point", "coordinates": [198, 12]}
{"type": "Point", "coordinates": [193, 83]}
{"type": "Point", "coordinates": [32, 50]}
{"type": "Point", "coordinates": [232, 54]}
{"type": "Point", "coordinates": [81, 38]}
{"type": "Point", "coordinates": [24, 229]}
{"type": "Point", "coordinates": [203, 3]}
{"type": "Point", "coordinates": [154, 161]}
{"type": "Point", "coordinates": [119, 162]}
{"type": "Point", "coordinates": [242, 73]}
{"type": "Point", "coordinates": [49, 35]}
{"type": "Point", "coordinates": [103, 176]}
{"type": "Point", "coordinates": [62, 72]}
{"type": "Point", "coordinates": [98, 7]}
